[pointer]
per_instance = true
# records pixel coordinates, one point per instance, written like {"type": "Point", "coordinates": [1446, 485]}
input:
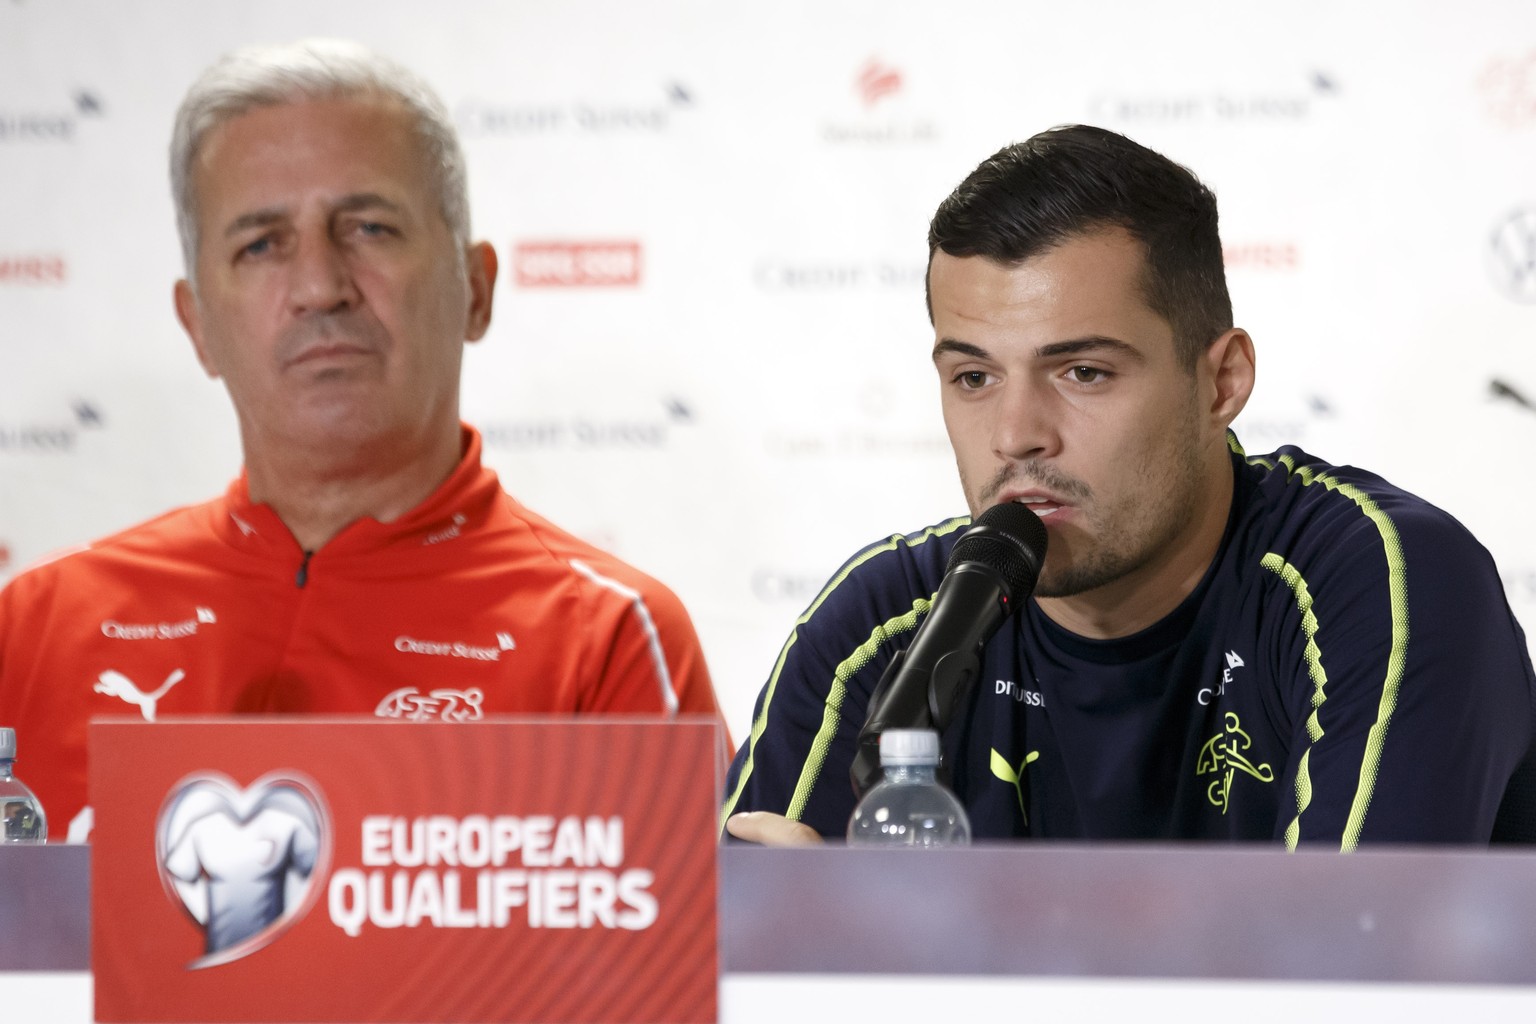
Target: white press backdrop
{"type": "Point", "coordinates": [729, 386]}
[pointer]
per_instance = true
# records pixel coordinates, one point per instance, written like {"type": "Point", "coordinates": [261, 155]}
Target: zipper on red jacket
{"type": "Point", "coordinates": [303, 576]}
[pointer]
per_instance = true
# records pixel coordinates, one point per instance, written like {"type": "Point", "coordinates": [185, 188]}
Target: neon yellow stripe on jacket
{"type": "Point", "coordinates": [1314, 657]}
{"type": "Point", "coordinates": [1397, 590]}
{"type": "Point", "coordinates": [861, 656]}
{"type": "Point", "coordinates": [761, 722]}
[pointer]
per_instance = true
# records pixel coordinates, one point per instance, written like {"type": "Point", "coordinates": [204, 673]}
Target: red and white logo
{"type": "Point", "coordinates": [576, 264]}
{"type": "Point", "coordinates": [876, 81]}
{"type": "Point", "coordinates": [439, 705]}
{"type": "Point", "coordinates": [1261, 256]}
{"type": "Point", "coordinates": [33, 269]}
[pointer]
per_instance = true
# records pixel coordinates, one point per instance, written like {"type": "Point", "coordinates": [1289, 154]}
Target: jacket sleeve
{"type": "Point", "coordinates": [806, 723]}
{"type": "Point", "coordinates": [1410, 684]}
{"type": "Point", "coordinates": [647, 653]}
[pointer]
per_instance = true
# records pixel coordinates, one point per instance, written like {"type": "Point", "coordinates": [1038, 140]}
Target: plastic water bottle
{"type": "Point", "coordinates": [909, 807]}
{"type": "Point", "coordinates": [25, 821]}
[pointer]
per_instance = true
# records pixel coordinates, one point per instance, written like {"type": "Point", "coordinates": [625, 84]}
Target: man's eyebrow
{"type": "Point", "coordinates": [254, 219]}
{"type": "Point", "coordinates": [1070, 347]}
{"type": "Point", "coordinates": [963, 348]}
{"type": "Point", "coordinates": [1092, 343]}
{"type": "Point", "coordinates": [352, 203]}
{"type": "Point", "coordinates": [366, 201]}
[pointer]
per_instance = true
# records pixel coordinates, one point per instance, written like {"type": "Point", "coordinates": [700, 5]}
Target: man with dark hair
{"type": "Point", "coordinates": [1028, 197]}
{"type": "Point", "coordinates": [1220, 646]}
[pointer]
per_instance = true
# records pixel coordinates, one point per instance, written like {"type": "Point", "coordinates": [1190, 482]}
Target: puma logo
{"type": "Point", "coordinates": [115, 684]}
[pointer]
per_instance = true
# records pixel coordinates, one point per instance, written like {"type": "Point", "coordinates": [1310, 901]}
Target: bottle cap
{"type": "Point", "coordinates": [909, 746]}
{"type": "Point", "coordinates": [7, 743]}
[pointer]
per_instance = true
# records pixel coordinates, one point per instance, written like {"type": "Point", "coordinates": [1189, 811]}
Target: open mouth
{"type": "Point", "coordinates": [1042, 507]}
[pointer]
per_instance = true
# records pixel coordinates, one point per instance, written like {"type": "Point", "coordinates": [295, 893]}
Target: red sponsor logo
{"type": "Point", "coordinates": [1508, 86]}
{"type": "Point", "coordinates": [876, 81]}
{"type": "Point", "coordinates": [1262, 256]}
{"type": "Point", "coordinates": [576, 264]}
{"type": "Point", "coordinates": [33, 269]}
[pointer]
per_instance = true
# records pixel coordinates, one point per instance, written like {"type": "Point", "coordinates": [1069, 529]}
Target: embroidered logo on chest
{"type": "Point", "coordinates": [1224, 755]}
{"type": "Point", "coordinates": [1210, 693]}
{"type": "Point", "coordinates": [442, 704]}
{"type": "Point", "coordinates": [456, 648]}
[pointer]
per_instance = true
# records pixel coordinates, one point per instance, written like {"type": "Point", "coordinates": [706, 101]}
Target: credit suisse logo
{"type": "Point", "coordinates": [585, 433]}
{"type": "Point", "coordinates": [56, 436]}
{"type": "Point", "coordinates": [775, 273]}
{"type": "Point", "coordinates": [652, 114]}
{"type": "Point", "coordinates": [1287, 104]}
{"type": "Point", "coordinates": [577, 264]}
{"type": "Point", "coordinates": [56, 124]}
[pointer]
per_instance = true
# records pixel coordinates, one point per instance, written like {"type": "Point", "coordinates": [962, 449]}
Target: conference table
{"type": "Point", "coordinates": [1241, 933]}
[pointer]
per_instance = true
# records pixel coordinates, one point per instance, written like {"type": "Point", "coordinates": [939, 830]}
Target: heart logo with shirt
{"type": "Point", "coordinates": [245, 864]}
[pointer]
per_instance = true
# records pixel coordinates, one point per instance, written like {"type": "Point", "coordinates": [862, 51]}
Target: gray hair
{"type": "Point", "coordinates": [311, 69]}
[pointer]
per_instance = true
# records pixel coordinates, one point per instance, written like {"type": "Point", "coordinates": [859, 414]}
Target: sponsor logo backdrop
{"type": "Point", "coordinates": [710, 351]}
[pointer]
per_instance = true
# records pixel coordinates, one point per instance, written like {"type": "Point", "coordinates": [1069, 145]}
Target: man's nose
{"type": "Point", "coordinates": [1026, 424]}
{"type": "Point", "coordinates": [320, 278]}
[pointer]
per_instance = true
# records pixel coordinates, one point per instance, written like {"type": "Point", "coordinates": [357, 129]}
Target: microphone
{"type": "Point", "coordinates": [993, 566]}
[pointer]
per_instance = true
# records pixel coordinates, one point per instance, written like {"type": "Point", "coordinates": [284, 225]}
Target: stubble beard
{"type": "Point", "coordinates": [1133, 533]}
{"type": "Point", "coordinates": [1122, 538]}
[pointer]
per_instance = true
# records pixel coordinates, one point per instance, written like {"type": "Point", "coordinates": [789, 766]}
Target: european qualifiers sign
{"type": "Point", "coordinates": [481, 871]}
{"type": "Point", "coordinates": [323, 869]}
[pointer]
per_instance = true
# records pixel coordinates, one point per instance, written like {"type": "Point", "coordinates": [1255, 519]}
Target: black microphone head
{"type": "Point", "coordinates": [1011, 539]}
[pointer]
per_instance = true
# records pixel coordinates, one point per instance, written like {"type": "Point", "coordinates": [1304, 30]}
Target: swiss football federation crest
{"type": "Point", "coordinates": [244, 864]}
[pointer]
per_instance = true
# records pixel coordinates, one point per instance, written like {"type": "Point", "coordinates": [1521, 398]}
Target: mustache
{"type": "Point", "coordinates": [348, 327]}
{"type": "Point", "coordinates": [1039, 474]}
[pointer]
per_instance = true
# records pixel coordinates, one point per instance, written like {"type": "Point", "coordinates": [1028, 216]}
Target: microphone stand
{"type": "Point", "coordinates": [949, 684]}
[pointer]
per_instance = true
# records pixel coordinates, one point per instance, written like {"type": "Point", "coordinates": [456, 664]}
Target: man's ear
{"type": "Point", "coordinates": [191, 319]}
{"type": "Point", "coordinates": [481, 265]}
{"type": "Point", "coordinates": [1229, 363]}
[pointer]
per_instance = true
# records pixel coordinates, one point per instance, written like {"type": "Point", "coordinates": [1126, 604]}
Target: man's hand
{"type": "Point", "coordinates": [770, 829]}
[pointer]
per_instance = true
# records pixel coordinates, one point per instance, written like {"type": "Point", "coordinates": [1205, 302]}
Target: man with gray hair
{"type": "Point", "coordinates": [364, 561]}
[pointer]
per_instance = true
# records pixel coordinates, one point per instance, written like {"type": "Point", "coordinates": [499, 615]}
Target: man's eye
{"type": "Point", "coordinates": [260, 247]}
{"type": "Point", "coordinates": [972, 380]}
{"type": "Point", "coordinates": [374, 229]}
{"type": "Point", "coordinates": [1088, 374]}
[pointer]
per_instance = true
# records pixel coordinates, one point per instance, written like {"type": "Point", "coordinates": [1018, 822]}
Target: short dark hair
{"type": "Point", "coordinates": [1075, 179]}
